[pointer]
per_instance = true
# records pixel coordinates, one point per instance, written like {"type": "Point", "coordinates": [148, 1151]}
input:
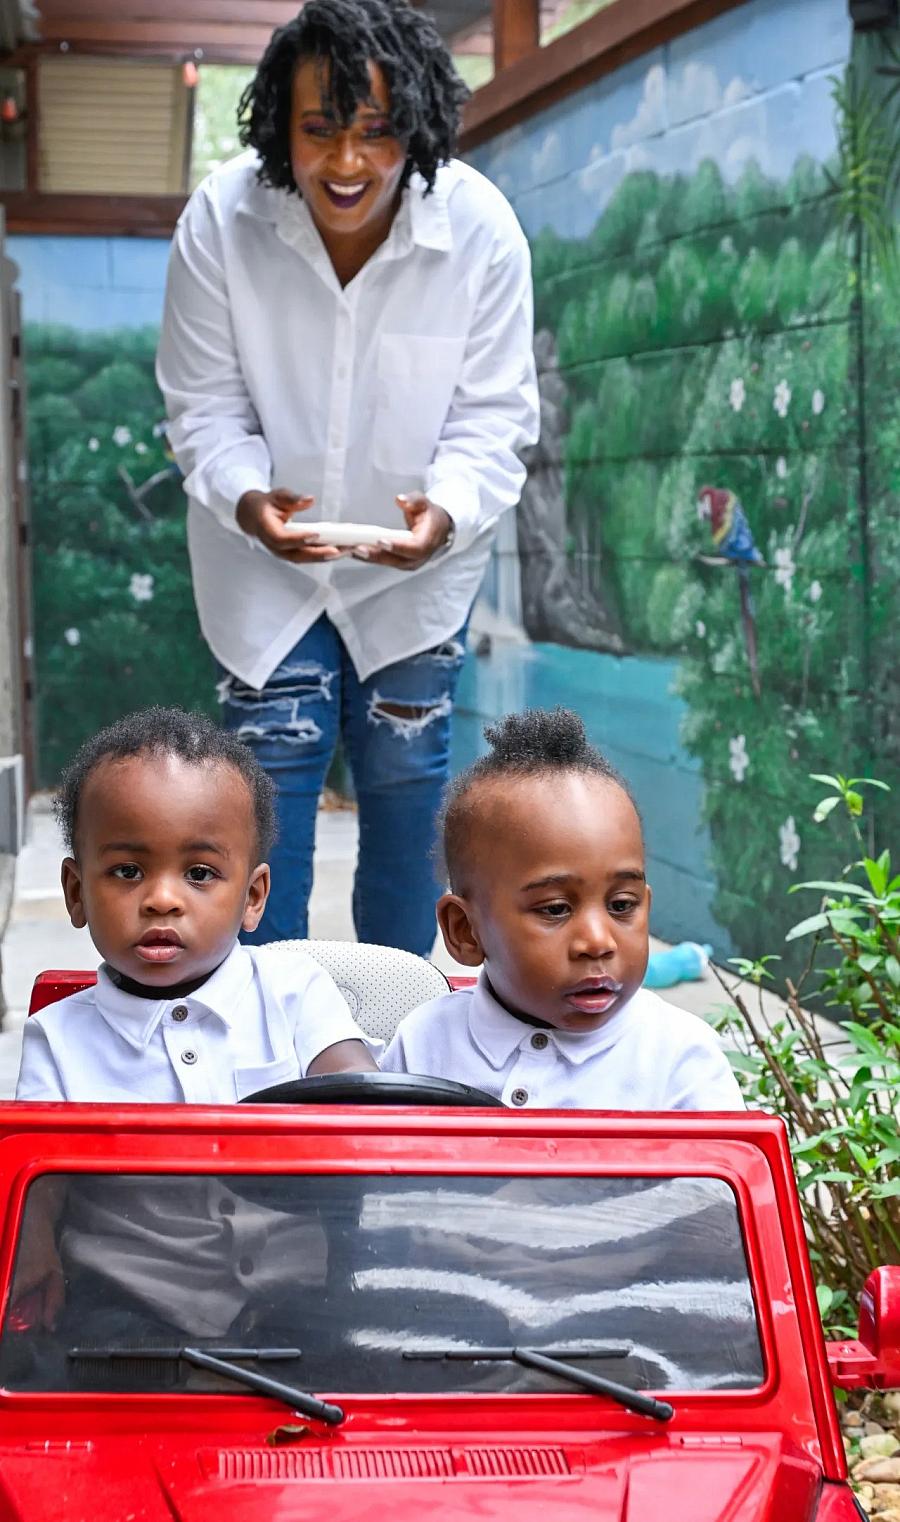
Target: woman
{"type": "Point", "coordinates": [347, 335]}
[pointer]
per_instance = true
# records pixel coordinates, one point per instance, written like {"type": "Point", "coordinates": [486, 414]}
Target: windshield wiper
{"type": "Point", "coordinates": [219, 1362]}
{"type": "Point", "coordinates": [548, 1363]}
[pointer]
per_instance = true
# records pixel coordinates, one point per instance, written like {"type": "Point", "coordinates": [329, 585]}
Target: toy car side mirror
{"type": "Point", "coordinates": [872, 1360]}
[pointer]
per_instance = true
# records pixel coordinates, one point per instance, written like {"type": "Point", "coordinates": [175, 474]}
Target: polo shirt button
{"type": "Point", "coordinates": [539, 1041]}
{"type": "Point", "coordinates": [189, 1057]}
{"type": "Point", "coordinates": [180, 1012]}
{"type": "Point", "coordinates": [519, 1096]}
{"type": "Point", "coordinates": [226, 1207]}
{"type": "Point", "coordinates": [245, 1266]}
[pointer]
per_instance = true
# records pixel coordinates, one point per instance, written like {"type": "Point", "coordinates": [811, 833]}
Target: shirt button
{"type": "Point", "coordinates": [226, 1207]}
{"type": "Point", "coordinates": [539, 1041]}
{"type": "Point", "coordinates": [180, 1012]}
{"type": "Point", "coordinates": [189, 1057]}
{"type": "Point", "coordinates": [519, 1096]}
{"type": "Point", "coordinates": [245, 1266]}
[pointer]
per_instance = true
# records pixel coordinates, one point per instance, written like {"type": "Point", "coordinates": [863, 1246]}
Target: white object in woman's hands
{"type": "Point", "coordinates": [349, 535]}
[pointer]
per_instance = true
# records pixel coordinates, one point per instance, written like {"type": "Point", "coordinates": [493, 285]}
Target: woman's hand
{"type": "Point", "coordinates": [264, 515]}
{"type": "Point", "coordinates": [431, 527]}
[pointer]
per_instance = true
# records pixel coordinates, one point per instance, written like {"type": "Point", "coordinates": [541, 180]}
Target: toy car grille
{"type": "Point", "coordinates": [237, 1465]}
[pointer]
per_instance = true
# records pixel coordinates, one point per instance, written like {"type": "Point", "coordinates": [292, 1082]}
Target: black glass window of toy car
{"type": "Point", "coordinates": [357, 1270]}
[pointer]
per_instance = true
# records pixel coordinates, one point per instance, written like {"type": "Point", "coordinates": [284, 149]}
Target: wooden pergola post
{"type": "Point", "coordinates": [517, 31]}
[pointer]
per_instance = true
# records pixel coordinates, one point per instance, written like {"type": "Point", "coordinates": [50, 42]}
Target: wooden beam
{"type": "Point", "coordinates": [254, 13]}
{"type": "Point", "coordinates": [32, 127]}
{"type": "Point", "coordinates": [94, 215]}
{"type": "Point", "coordinates": [608, 40]}
{"type": "Point", "coordinates": [161, 35]}
{"type": "Point", "coordinates": [517, 31]}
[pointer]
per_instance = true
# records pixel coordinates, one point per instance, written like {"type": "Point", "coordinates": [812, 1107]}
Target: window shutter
{"type": "Point", "coordinates": [110, 125]}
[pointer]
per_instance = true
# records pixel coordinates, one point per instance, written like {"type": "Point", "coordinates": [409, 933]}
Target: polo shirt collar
{"type": "Point", "coordinates": [497, 1034]}
{"type": "Point", "coordinates": [136, 1020]}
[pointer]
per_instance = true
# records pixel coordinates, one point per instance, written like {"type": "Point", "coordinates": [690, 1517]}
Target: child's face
{"type": "Point", "coordinates": [166, 872]}
{"type": "Point", "coordinates": [556, 902]}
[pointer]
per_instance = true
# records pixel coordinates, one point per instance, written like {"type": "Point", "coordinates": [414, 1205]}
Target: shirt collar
{"type": "Point", "coordinates": [421, 219]}
{"type": "Point", "coordinates": [497, 1033]}
{"type": "Point", "coordinates": [136, 1019]}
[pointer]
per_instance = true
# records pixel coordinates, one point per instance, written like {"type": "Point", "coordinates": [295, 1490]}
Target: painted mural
{"type": "Point", "coordinates": [705, 558]}
{"type": "Point", "coordinates": [114, 618]}
{"type": "Point", "coordinates": [711, 509]}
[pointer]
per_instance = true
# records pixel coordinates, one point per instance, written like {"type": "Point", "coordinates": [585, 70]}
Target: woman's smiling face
{"type": "Point", "coordinates": [349, 174]}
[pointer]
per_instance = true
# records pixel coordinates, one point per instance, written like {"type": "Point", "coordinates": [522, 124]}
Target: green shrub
{"type": "Point", "coordinates": [838, 1097]}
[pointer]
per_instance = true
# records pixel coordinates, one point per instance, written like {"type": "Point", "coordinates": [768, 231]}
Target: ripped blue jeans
{"type": "Point", "coordinates": [395, 729]}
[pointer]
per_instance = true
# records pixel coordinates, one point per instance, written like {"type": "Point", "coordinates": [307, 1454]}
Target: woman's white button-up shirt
{"type": "Point", "coordinates": [417, 376]}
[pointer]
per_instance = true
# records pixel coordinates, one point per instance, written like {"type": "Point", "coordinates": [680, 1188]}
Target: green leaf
{"type": "Point", "coordinates": [823, 809]}
{"type": "Point", "coordinates": [886, 1191]}
{"type": "Point", "coordinates": [859, 1156]}
{"type": "Point", "coordinates": [864, 1041]}
{"type": "Point", "coordinates": [741, 1063]}
{"type": "Point", "coordinates": [871, 782]}
{"type": "Point", "coordinates": [837, 888]}
{"type": "Point", "coordinates": [824, 777]}
{"type": "Point", "coordinates": [824, 1298]}
{"type": "Point", "coordinates": [892, 968]}
{"type": "Point", "coordinates": [877, 872]}
{"type": "Point", "coordinates": [806, 927]}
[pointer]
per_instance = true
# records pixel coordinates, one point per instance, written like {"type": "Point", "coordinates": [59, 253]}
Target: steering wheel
{"type": "Point", "coordinates": [373, 1089]}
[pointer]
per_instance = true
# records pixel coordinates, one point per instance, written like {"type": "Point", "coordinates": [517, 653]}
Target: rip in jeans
{"type": "Point", "coordinates": [277, 713]}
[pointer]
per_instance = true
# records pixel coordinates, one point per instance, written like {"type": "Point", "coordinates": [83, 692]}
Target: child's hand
{"type": "Point", "coordinates": [39, 1273]}
{"type": "Point", "coordinates": [343, 1057]}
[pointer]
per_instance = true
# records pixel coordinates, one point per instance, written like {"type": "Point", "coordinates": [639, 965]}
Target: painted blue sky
{"type": "Point", "coordinates": [753, 84]}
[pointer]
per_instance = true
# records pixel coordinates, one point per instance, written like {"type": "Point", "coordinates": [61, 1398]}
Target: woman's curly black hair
{"type": "Point", "coordinates": [345, 36]}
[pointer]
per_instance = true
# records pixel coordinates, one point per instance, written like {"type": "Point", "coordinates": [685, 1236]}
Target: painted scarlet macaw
{"type": "Point", "coordinates": [732, 539]}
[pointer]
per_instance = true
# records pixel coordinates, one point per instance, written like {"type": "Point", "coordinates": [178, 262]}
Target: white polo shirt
{"type": "Point", "coordinates": [260, 1019]}
{"type": "Point", "coordinates": [649, 1056]}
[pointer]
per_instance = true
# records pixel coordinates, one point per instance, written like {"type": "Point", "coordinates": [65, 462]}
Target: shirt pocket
{"type": "Point", "coordinates": [416, 381]}
{"type": "Point", "coordinates": [251, 1080]}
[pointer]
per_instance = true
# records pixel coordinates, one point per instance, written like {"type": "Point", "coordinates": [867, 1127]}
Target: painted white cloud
{"type": "Point", "coordinates": [696, 90]}
{"type": "Point", "coordinates": [548, 160]}
{"type": "Point", "coordinates": [650, 116]}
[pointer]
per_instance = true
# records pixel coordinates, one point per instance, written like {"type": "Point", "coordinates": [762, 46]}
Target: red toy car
{"type": "Point", "coordinates": [345, 1312]}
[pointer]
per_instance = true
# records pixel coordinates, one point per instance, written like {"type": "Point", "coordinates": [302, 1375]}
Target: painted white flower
{"type": "Point", "coordinates": [815, 591]}
{"type": "Point", "coordinates": [737, 394]}
{"type": "Point", "coordinates": [818, 402]}
{"type": "Point", "coordinates": [785, 568]}
{"type": "Point", "coordinates": [782, 399]}
{"type": "Point", "coordinates": [141, 587]}
{"type": "Point", "coordinates": [121, 436]}
{"type": "Point", "coordinates": [738, 760]}
{"type": "Point", "coordinates": [72, 636]}
{"type": "Point", "coordinates": [781, 467]}
{"type": "Point", "coordinates": [140, 447]}
{"type": "Point", "coordinates": [93, 445]}
{"type": "Point", "coordinates": [700, 629]}
{"type": "Point", "coordinates": [788, 843]}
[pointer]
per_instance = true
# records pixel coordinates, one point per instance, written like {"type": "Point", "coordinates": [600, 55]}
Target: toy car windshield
{"type": "Point", "coordinates": [338, 1279]}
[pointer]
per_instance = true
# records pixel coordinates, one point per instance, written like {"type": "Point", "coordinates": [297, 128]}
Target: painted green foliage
{"type": "Point", "coordinates": [114, 617]}
{"type": "Point", "coordinates": [707, 336]}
